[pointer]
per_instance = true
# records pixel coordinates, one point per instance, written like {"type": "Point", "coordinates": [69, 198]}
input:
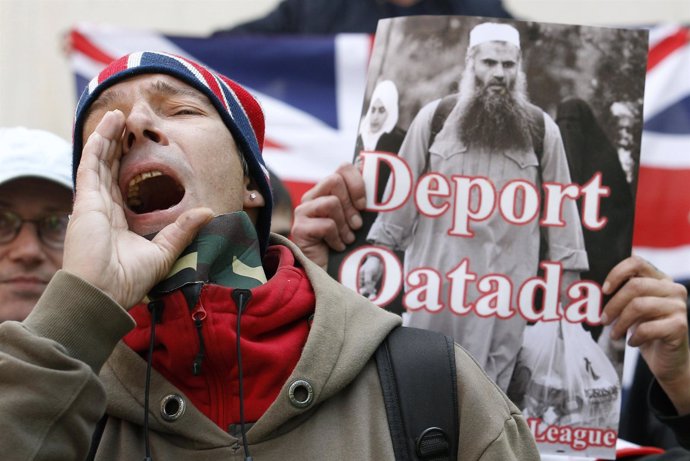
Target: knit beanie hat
{"type": "Point", "coordinates": [238, 109]}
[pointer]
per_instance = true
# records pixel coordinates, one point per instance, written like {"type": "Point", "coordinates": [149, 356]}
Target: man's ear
{"type": "Point", "coordinates": [252, 197]}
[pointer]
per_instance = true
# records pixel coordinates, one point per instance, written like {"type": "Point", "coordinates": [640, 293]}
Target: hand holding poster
{"type": "Point", "coordinates": [497, 215]}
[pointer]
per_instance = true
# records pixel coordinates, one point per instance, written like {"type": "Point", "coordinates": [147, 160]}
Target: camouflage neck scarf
{"type": "Point", "coordinates": [225, 252]}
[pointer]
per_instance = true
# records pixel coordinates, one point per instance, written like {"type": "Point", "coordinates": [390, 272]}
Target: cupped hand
{"type": "Point", "coordinates": [99, 247]}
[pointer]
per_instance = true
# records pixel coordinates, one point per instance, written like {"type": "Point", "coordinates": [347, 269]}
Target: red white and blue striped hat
{"type": "Point", "coordinates": [240, 112]}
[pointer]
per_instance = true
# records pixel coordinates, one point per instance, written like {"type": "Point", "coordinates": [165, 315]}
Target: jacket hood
{"type": "Point", "coordinates": [345, 332]}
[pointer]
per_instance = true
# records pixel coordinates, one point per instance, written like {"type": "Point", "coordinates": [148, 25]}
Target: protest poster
{"type": "Point", "coordinates": [500, 160]}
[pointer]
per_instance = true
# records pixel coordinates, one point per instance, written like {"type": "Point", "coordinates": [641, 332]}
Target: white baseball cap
{"type": "Point", "coordinates": [34, 153]}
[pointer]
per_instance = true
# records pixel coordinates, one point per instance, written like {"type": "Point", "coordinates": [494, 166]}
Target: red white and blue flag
{"type": "Point", "coordinates": [662, 217]}
{"type": "Point", "coordinates": [311, 88]}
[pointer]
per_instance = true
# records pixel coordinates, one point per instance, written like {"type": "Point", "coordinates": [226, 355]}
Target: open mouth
{"type": "Point", "coordinates": [153, 190]}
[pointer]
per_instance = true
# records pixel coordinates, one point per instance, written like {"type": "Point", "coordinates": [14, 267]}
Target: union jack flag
{"type": "Point", "coordinates": [662, 216]}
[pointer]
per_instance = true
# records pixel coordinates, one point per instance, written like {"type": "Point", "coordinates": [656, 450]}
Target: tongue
{"type": "Point", "coordinates": [158, 193]}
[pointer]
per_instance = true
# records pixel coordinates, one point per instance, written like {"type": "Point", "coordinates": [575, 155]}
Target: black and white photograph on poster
{"type": "Point", "coordinates": [500, 160]}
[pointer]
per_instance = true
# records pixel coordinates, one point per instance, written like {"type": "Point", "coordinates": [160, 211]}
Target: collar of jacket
{"type": "Point", "coordinates": [225, 252]}
{"type": "Point", "coordinates": [275, 325]}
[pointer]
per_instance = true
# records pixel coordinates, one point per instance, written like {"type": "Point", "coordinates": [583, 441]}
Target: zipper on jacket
{"type": "Point", "coordinates": [198, 317]}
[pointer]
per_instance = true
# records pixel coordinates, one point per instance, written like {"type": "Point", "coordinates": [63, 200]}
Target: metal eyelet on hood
{"type": "Point", "coordinates": [301, 393]}
{"type": "Point", "coordinates": [172, 407]}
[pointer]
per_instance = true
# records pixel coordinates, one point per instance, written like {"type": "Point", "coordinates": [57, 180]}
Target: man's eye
{"type": "Point", "coordinates": [186, 111]}
{"type": "Point", "coordinates": [7, 220]}
{"type": "Point", "coordinates": [55, 223]}
{"type": "Point", "coordinates": [51, 222]}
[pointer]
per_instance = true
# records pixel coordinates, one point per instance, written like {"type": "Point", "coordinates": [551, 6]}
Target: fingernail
{"type": "Point", "coordinates": [356, 221]}
{"type": "Point", "coordinates": [606, 287]}
{"type": "Point", "coordinates": [604, 319]}
{"type": "Point", "coordinates": [349, 238]}
{"type": "Point", "coordinates": [613, 334]}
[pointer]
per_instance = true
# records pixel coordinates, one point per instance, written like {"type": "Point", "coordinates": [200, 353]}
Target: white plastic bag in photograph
{"type": "Point", "coordinates": [564, 378]}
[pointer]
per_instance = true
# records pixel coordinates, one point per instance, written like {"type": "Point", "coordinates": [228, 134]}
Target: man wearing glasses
{"type": "Point", "coordinates": [35, 201]}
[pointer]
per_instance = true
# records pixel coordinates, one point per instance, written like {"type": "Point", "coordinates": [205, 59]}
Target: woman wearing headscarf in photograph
{"type": "Point", "coordinates": [378, 130]}
{"type": "Point", "coordinates": [377, 133]}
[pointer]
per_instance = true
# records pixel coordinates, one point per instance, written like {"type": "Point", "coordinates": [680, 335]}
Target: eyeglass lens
{"type": "Point", "coordinates": [51, 228]}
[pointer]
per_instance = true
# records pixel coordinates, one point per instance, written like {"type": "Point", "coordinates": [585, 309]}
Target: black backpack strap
{"type": "Point", "coordinates": [418, 378]}
{"type": "Point", "coordinates": [441, 113]}
{"type": "Point", "coordinates": [96, 438]}
{"type": "Point", "coordinates": [537, 130]}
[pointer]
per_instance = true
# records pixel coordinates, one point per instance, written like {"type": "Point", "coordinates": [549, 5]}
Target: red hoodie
{"type": "Point", "coordinates": [274, 328]}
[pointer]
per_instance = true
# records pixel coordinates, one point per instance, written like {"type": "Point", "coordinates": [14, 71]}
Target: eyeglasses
{"type": "Point", "coordinates": [51, 228]}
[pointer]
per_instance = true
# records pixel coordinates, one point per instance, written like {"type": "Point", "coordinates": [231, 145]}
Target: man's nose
{"type": "Point", "coordinates": [499, 73]}
{"type": "Point", "coordinates": [27, 246]}
{"type": "Point", "coordinates": [142, 125]}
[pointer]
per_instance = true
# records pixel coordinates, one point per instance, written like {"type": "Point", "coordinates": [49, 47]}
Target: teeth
{"type": "Point", "coordinates": [133, 186]}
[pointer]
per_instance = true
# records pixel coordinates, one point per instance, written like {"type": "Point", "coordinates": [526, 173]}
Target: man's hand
{"type": "Point", "coordinates": [654, 309]}
{"type": "Point", "coordinates": [329, 213]}
{"type": "Point", "coordinates": [99, 247]}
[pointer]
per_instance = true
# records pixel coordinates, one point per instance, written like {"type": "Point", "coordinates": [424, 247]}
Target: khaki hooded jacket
{"type": "Point", "coordinates": [65, 366]}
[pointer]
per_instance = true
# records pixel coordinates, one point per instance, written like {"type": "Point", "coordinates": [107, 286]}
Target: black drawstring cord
{"type": "Point", "coordinates": [154, 308]}
{"type": "Point", "coordinates": [241, 297]}
{"type": "Point", "coordinates": [196, 366]}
